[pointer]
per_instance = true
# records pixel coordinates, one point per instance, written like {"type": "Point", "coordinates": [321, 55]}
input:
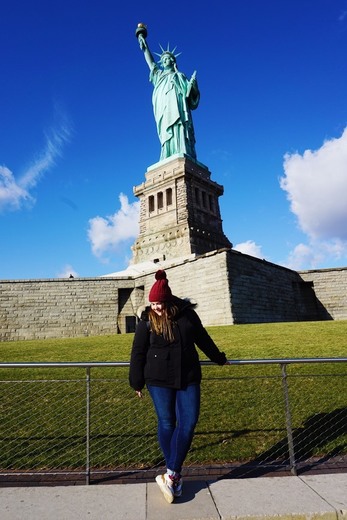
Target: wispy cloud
{"type": "Point", "coordinates": [106, 234]}
{"type": "Point", "coordinates": [16, 192]}
{"type": "Point", "coordinates": [316, 184]}
{"type": "Point", "coordinates": [343, 16]}
{"type": "Point", "coordinates": [12, 193]}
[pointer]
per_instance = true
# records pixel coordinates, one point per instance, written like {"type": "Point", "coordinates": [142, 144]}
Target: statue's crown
{"type": "Point", "coordinates": [168, 51]}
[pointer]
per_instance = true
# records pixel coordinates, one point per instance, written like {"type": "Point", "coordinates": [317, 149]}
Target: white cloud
{"type": "Point", "coordinates": [249, 248]}
{"type": "Point", "coordinates": [106, 234]}
{"type": "Point", "coordinates": [16, 192]}
{"type": "Point", "coordinates": [67, 271]}
{"type": "Point", "coordinates": [316, 184]}
{"type": "Point", "coordinates": [317, 254]}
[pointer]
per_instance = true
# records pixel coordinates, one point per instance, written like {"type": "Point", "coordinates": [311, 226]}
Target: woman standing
{"type": "Point", "coordinates": [164, 358]}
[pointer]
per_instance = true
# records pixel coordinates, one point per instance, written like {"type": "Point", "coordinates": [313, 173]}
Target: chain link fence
{"type": "Point", "coordinates": [83, 418]}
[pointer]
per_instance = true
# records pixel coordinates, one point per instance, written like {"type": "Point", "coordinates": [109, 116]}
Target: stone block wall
{"type": "Point", "coordinates": [330, 287]}
{"type": "Point", "coordinates": [264, 292]}
{"type": "Point", "coordinates": [229, 288]}
{"type": "Point", "coordinates": [39, 309]}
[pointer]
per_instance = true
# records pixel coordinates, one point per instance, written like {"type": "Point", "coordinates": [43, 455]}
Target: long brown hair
{"type": "Point", "coordinates": [163, 325]}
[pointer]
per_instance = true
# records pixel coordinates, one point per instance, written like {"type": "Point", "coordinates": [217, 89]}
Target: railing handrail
{"type": "Point", "coordinates": [95, 364]}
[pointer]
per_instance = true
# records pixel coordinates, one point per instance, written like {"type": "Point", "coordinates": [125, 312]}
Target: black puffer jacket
{"type": "Point", "coordinates": [175, 365]}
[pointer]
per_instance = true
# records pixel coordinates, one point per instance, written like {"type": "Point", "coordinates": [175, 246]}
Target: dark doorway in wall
{"type": "Point", "coordinates": [126, 313]}
{"type": "Point", "coordinates": [130, 323]}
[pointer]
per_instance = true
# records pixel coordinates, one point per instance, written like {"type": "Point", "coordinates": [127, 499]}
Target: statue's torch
{"type": "Point", "coordinates": [141, 33]}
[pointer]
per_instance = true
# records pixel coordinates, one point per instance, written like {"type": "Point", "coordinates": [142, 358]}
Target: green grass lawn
{"type": "Point", "coordinates": [242, 415]}
{"type": "Point", "coordinates": [268, 340]}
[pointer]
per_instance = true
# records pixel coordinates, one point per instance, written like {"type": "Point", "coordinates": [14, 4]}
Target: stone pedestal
{"type": "Point", "coordinates": [179, 213]}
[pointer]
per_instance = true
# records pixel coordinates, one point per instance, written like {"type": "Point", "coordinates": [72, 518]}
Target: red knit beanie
{"type": "Point", "coordinates": [160, 291]}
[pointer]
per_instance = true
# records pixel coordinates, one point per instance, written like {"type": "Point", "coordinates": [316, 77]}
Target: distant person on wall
{"type": "Point", "coordinates": [174, 97]}
{"type": "Point", "coordinates": [164, 358]}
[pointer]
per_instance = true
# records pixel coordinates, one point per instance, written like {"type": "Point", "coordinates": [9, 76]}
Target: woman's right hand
{"type": "Point", "coordinates": [139, 394]}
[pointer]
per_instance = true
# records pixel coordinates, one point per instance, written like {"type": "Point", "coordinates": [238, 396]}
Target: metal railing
{"type": "Point", "coordinates": [73, 418]}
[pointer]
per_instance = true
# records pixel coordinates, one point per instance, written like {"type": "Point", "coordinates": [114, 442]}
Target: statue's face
{"type": "Point", "coordinates": [167, 61]}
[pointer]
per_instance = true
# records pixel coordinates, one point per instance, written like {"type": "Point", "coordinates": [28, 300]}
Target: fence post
{"type": "Point", "coordinates": [87, 425]}
{"type": "Point", "coordinates": [288, 420]}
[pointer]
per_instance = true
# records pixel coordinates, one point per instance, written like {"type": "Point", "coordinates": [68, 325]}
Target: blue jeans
{"type": "Point", "coordinates": [178, 413]}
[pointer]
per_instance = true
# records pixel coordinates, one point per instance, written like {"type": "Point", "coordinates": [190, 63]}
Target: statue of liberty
{"type": "Point", "coordinates": [174, 96]}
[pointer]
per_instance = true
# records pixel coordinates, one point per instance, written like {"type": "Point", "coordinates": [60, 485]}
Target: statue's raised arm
{"type": "Point", "coordinates": [141, 33]}
{"type": "Point", "coordinates": [174, 96]}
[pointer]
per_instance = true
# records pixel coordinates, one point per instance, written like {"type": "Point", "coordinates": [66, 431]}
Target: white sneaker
{"type": "Point", "coordinates": [166, 487]}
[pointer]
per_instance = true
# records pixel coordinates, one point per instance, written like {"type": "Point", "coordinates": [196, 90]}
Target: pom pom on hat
{"type": "Point", "coordinates": [160, 291]}
{"type": "Point", "coordinates": [160, 275]}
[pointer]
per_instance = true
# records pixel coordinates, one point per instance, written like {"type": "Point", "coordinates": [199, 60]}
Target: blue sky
{"type": "Point", "coordinates": [77, 130]}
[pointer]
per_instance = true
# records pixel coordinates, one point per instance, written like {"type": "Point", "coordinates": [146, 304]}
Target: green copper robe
{"type": "Point", "coordinates": [173, 99]}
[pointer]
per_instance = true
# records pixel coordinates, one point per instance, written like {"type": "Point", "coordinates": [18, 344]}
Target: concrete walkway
{"type": "Point", "coordinates": [277, 498]}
